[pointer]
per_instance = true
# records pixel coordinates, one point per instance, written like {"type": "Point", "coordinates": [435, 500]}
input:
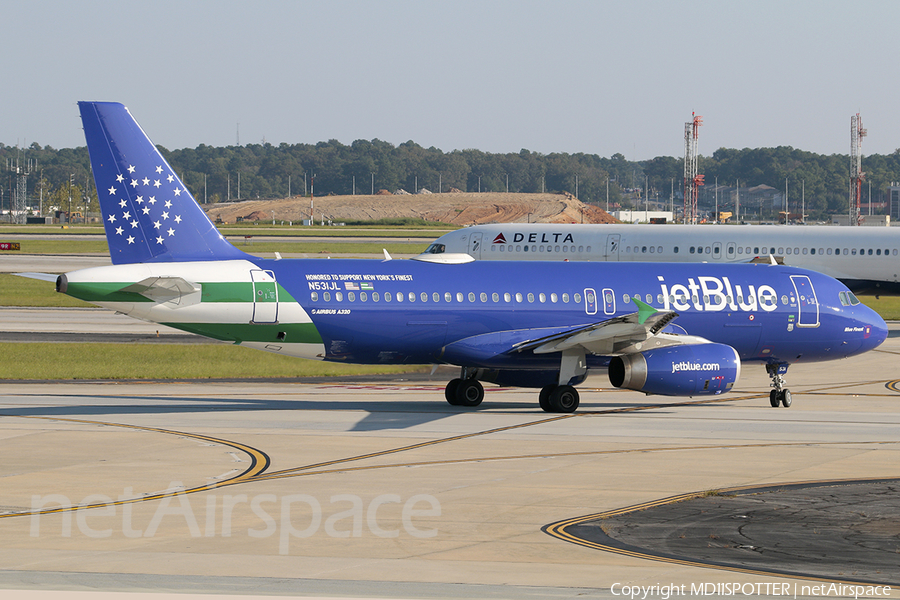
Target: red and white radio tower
{"type": "Point", "coordinates": [692, 181]}
{"type": "Point", "coordinates": [857, 133]}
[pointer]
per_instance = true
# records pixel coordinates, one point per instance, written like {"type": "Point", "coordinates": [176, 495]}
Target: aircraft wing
{"type": "Point", "coordinates": [613, 336]}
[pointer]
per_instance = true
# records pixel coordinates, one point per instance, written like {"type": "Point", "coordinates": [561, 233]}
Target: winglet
{"type": "Point", "coordinates": [772, 260]}
{"type": "Point", "coordinates": [386, 255]}
{"type": "Point", "coordinates": [645, 311]}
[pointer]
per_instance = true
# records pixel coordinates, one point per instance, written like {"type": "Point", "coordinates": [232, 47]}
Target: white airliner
{"type": "Point", "coordinates": [865, 259]}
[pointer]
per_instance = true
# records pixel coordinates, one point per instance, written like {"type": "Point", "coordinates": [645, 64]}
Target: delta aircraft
{"type": "Point", "coordinates": [865, 259]}
{"type": "Point", "coordinates": [670, 329]}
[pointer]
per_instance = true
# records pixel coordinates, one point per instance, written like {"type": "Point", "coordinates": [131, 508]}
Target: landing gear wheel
{"type": "Point", "coordinates": [450, 391]}
{"type": "Point", "coordinates": [774, 400]}
{"type": "Point", "coordinates": [544, 398]}
{"type": "Point", "coordinates": [469, 392]}
{"type": "Point", "coordinates": [564, 399]}
{"type": "Point", "coordinates": [786, 398]}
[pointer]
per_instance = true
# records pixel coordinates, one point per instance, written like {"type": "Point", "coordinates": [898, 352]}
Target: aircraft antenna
{"type": "Point", "coordinates": [857, 133]}
{"type": "Point", "coordinates": [692, 181]}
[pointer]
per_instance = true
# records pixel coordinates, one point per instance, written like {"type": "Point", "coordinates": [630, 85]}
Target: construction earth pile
{"type": "Point", "coordinates": [461, 208]}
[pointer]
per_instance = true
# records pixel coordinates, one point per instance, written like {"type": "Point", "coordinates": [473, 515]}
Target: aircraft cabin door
{"type": "Point", "coordinates": [475, 245]}
{"type": "Point", "coordinates": [612, 247]}
{"type": "Point", "coordinates": [729, 251]}
{"type": "Point", "coordinates": [807, 304]}
{"type": "Point", "coordinates": [717, 251]}
{"type": "Point", "coordinates": [265, 297]}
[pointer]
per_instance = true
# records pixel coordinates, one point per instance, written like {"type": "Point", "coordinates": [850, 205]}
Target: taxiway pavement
{"type": "Point", "coordinates": [380, 488]}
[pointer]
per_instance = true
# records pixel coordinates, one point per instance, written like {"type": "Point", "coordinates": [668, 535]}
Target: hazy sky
{"type": "Point", "coordinates": [563, 76]}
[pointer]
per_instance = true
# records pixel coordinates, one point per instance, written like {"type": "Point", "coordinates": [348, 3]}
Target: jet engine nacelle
{"type": "Point", "coordinates": [695, 370]}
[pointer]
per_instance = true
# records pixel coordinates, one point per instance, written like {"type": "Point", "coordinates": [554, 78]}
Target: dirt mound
{"type": "Point", "coordinates": [460, 208]}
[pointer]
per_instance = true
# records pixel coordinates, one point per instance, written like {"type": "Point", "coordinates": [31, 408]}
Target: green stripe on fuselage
{"type": "Point", "coordinates": [103, 292]}
{"type": "Point", "coordinates": [296, 333]}
{"type": "Point", "coordinates": [236, 292]}
{"type": "Point", "coordinates": [211, 292]}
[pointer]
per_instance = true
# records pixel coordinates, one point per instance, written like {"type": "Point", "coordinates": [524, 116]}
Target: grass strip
{"type": "Point", "coordinates": [362, 230]}
{"type": "Point", "coordinates": [24, 292]}
{"type": "Point", "coordinates": [886, 306]}
{"type": "Point", "coordinates": [255, 246]}
{"type": "Point", "coordinates": [167, 361]}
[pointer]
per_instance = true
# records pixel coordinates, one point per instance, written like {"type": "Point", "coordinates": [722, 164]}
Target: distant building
{"type": "Point", "coordinates": [867, 220]}
{"type": "Point", "coordinates": [643, 216]}
{"type": "Point", "coordinates": [894, 195]}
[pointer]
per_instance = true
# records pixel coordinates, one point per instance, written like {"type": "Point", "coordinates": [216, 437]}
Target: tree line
{"type": "Point", "coordinates": [217, 174]}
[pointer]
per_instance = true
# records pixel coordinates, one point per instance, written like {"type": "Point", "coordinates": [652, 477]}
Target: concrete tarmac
{"type": "Point", "coordinates": [381, 489]}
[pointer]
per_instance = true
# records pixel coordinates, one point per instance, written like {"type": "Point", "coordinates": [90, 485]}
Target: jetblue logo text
{"type": "Point", "coordinates": [714, 293]}
{"type": "Point", "coordinates": [684, 365]}
{"type": "Point", "coordinates": [286, 518]}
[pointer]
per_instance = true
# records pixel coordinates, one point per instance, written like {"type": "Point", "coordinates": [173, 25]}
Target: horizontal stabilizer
{"type": "Point", "coordinates": [41, 276]}
{"type": "Point", "coordinates": [175, 290]}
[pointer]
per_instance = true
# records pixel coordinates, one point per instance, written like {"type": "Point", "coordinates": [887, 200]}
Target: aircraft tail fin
{"type": "Point", "coordinates": [148, 213]}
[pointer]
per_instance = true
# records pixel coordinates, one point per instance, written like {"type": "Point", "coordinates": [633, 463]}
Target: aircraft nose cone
{"type": "Point", "coordinates": [876, 331]}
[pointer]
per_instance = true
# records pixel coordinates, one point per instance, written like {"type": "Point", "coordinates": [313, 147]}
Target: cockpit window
{"type": "Point", "coordinates": [848, 299]}
{"type": "Point", "coordinates": [435, 249]}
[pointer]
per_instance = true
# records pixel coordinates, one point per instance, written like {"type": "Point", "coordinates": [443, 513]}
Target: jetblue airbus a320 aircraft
{"type": "Point", "coordinates": [672, 329]}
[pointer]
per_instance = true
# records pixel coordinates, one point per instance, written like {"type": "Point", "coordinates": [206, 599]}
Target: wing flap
{"type": "Point", "coordinates": [608, 337]}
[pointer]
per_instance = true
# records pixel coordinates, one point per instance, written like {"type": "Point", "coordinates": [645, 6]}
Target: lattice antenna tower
{"type": "Point", "coordinates": [22, 167]}
{"type": "Point", "coordinates": [692, 181]}
{"type": "Point", "coordinates": [857, 133]}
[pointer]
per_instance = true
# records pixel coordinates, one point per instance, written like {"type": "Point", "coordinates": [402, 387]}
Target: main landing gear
{"type": "Point", "coordinates": [464, 391]}
{"type": "Point", "coordinates": [559, 398]}
{"type": "Point", "coordinates": [780, 395]}
{"type": "Point", "coordinates": [553, 398]}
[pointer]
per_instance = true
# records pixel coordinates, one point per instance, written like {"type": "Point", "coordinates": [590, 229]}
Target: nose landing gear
{"type": "Point", "coordinates": [780, 395]}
